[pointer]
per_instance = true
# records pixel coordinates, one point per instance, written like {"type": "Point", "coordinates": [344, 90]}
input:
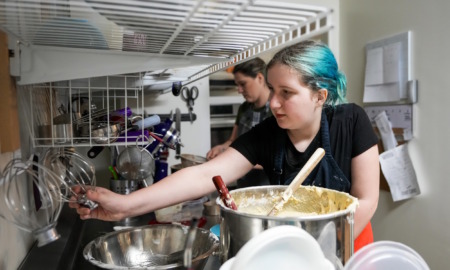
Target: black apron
{"type": "Point", "coordinates": [327, 173]}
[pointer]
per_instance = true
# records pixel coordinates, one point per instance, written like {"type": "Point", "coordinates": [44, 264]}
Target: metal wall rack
{"type": "Point", "coordinates": [54, 40]}
{"type": "Point", "coordinates": [60, 110]}
{"type": "Point", "coordinates": [77, 47]}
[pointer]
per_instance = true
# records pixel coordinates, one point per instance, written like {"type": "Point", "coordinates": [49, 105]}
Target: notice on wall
{"type": "Point", "coordinates": [399, 172]}
{"type": "Point", "coordinates": [382, 76]}
{"type": "Point", "coordinates": [387, 69]}
{"type": "Point", "coordinates": [399, 116]}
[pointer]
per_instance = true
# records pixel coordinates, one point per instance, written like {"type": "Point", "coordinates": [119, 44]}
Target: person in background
{"type": "Point", "coordinates": [309, 111]}
{"type": "Point", "coordinates": [251, 83]}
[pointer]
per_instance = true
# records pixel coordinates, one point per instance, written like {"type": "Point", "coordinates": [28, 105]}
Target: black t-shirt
{"type": "Point", "coordinates": [351, 134]}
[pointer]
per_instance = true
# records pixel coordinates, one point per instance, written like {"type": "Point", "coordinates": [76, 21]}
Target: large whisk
{"type": "Point", "coordinates": [73, 170]}
{"type": "Point", "coordinates": [28, 191]}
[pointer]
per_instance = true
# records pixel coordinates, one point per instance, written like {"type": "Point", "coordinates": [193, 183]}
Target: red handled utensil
{"type": "Point", "coordinates": [225, 195]}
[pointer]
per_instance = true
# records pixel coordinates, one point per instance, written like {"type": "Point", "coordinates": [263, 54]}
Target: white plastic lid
{"type": "Point", "coordinates": [280, 247]}
{"type": "Point", "coordinates": [386, 255]}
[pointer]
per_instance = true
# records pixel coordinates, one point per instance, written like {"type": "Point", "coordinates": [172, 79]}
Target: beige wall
{"type": "Point", "coordinates": [421, 222]}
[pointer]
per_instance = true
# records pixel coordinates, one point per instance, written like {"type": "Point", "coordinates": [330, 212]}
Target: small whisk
{"type": "Point", "coordinates": [73, 170]}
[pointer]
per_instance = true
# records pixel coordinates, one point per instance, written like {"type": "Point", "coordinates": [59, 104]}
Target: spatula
{"type": "Point", "coordinates": [298, 180]}
{"type": "Point", "coordinates": [225, 195]}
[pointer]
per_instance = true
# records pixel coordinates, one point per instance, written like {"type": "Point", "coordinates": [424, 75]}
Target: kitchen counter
{"type": "Point", "coordinates": [67, 252]}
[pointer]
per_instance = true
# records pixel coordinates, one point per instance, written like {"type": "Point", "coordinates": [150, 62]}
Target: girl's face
{"type": "Point", "coordinates": [294, 105]}
{"type": "Point", "coordinates": [250, 88]}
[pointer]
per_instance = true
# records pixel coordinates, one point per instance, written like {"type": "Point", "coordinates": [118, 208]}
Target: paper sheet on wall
{"type": "Point", "coordinates": [399, 173]}
{"type": "Point", "coordinates": [386, 132]}
{"type": "Point", "coordinates": [383, 74]}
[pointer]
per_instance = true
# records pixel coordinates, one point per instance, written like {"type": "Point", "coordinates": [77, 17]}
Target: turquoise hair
{"type": "Point", "coordinates": [317, 68]}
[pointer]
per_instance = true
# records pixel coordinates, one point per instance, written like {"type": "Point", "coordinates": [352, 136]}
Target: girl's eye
{"type": "Point", "coordinates": [286, 92]}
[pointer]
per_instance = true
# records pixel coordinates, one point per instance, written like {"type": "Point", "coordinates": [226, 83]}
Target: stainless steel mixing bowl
{"type": "Point", "coordinates": [333, 230]}
{"type": "Point", "coordinates": [148, 247]}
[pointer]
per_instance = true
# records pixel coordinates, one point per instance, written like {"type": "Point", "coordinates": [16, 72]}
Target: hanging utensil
{"type": "Point", "coordinates": [136, 163]}
{"type": "Point", "coordinates": [298, 180]}
{"type": "Point", "coordinates": [189, 95]}
{"type": "Point", "coordinates": [178, 128]}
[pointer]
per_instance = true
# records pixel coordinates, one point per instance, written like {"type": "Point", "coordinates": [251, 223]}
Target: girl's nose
{"type": "Point", "coordinates": [274, 103]}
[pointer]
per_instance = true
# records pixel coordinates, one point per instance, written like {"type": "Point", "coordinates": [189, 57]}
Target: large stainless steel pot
{"type": "Point", "coordinates": [333, 231]}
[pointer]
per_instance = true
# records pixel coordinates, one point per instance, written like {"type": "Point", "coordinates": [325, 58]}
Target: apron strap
{"type": "Point", "coordinates": [279, 156]}
{"type": "Point", "coordinates": [325, 135]}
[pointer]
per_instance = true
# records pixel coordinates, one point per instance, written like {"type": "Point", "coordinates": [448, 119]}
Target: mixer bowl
{"type": "Point", "coordinates": [188, 160]}
{"type": "Point", "coordinates": [147, 247]}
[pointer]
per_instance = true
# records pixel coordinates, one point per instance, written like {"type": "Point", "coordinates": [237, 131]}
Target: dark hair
{"type": "Point", "coordinates": [251, 67]}
{"type": "Point", "coordinates": [317, 67]}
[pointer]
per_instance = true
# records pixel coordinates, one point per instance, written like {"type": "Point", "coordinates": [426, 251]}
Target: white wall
{"type": "Point", "coordinates": [423, 221]}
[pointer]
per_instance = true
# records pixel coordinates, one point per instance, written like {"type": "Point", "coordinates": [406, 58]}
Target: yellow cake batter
{"type": "Point", "coordinates": [306, 201]}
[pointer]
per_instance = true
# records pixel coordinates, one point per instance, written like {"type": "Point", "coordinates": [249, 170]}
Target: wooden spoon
{"type": "Point", "coordinates": [298, 180]}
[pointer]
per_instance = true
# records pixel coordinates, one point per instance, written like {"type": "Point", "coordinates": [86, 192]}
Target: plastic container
{"type": "Point", "coordinates": [281, 247]}
{"type": "Point", "coordinates": [181, 212]}
{"type": "Point", "coordinates": [386, 255]}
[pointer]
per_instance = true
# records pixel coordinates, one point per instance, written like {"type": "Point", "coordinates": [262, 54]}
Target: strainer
{"type": "Point", "coordinates": [135, 162]}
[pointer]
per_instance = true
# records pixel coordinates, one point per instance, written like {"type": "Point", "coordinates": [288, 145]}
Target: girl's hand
{"type": "Point", "coordinates": [111, 206]}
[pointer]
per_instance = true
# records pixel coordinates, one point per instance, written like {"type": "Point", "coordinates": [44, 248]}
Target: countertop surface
{"type": "Point", "coordinates": [67, 252]}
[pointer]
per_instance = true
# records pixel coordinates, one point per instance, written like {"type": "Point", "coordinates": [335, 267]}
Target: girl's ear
{"type": "Point", "coordinates": [322, 95]}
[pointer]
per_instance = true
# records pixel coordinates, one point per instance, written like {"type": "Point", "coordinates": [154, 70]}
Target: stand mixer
{"type": "Point", "coordinates": [170, 138]}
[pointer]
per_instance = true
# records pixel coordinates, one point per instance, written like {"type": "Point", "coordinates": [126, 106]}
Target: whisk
{"type": "Point", "coordinates": [33, 204]}
{"type": "Point", "coordinates": [72, 170]}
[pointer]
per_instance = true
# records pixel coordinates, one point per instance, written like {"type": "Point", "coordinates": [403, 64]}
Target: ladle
{"type": "Point", "coordinates": [298, 180]}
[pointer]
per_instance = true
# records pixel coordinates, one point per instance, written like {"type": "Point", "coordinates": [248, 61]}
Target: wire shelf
{"type": "Point", "coordinates": [66, 113]}
{"type": "Point", "coordinates": [223, 31]}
